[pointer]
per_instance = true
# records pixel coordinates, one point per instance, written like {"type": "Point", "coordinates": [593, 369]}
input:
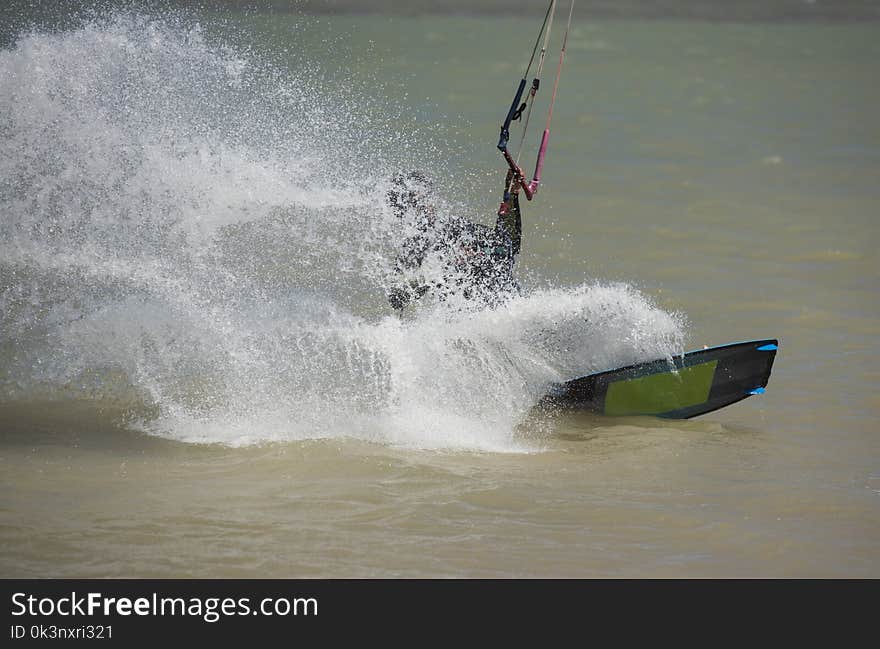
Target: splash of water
{"type": "Point", "coordinates": [183, 229]}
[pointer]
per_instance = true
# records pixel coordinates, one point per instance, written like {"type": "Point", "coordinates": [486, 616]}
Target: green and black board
{"type": "Point", "coordinates": [693, 384]}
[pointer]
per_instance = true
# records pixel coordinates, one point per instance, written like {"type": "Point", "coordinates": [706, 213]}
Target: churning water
{"type": "Point", "coordinates": [191, 232]}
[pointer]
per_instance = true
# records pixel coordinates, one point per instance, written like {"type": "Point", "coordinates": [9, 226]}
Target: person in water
{"type": "Point", "coordinates": [477, 261]}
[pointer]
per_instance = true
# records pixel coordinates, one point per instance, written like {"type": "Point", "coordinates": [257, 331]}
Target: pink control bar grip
{"type": "Point", "coordinates": [539, 165]}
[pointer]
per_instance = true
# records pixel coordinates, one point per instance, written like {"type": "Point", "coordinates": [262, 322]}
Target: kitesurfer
{"type": "Point", "coordinates": [474, 260]}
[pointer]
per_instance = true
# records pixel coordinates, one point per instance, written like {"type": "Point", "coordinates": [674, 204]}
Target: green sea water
{"type": "Point", "coordinates": [726, 175]}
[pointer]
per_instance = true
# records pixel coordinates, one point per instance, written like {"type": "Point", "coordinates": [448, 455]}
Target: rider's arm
{"type": "Point", "coordinates": [412, 254]}
{"type": "Point", "coordinates": [509, 218]}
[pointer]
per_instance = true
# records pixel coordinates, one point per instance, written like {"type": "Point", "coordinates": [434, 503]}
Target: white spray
{"type": "Point", "coordinates": [184, 229]}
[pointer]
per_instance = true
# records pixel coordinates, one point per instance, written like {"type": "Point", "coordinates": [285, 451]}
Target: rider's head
{"type": "Point", "coordinates": [411, 191]}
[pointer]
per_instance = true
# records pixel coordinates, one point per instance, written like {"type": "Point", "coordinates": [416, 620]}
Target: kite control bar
{"type": "Point", "coordinates": [530, 188]}
{"type": "Point", "coordinates": [512, 114]}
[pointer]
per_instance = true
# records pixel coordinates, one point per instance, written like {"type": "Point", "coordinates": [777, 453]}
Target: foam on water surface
{"type": "Point", "coordinates": [188, 230]}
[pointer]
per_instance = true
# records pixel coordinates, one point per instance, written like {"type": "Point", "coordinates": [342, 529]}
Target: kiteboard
{"type": "Point", "coordinates": [685, 386]}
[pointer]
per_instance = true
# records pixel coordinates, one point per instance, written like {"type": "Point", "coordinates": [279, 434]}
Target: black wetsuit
{"type": "Point", "coordinates": [477, 260]}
